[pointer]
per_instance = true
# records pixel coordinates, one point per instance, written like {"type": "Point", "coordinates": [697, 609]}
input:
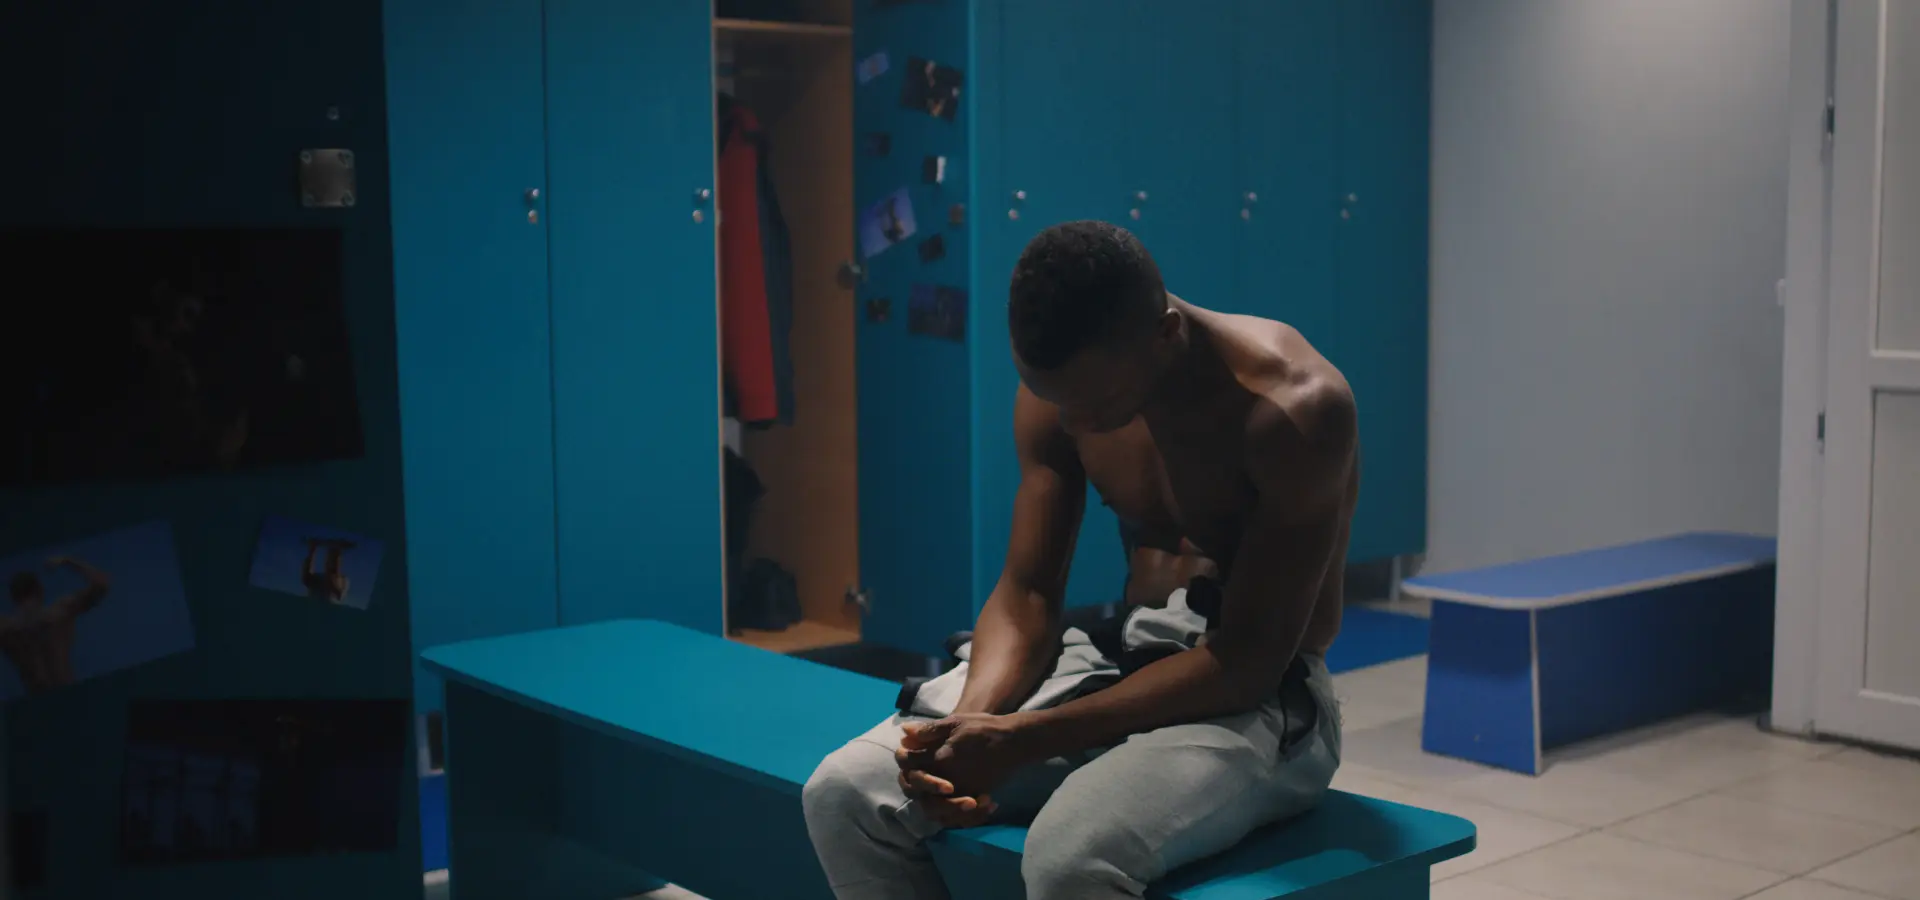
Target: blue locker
{"type": "Point", "coordinates": [1258, 117]}
{"type": "Point", "coordinates": [471, 311]}
{"type": "Point", "coordinates": [630, 150]}
{"type": "Point", "coordinates": [1286, 164]}
{"type": "Point", "coordinates": [1237, 147]}
{"type": "Point", "coordinates": [1062, 134]}
{"type": "Point", "coordinates": [1384, 49]}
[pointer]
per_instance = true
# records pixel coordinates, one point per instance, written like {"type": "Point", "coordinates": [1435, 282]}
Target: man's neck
{"type": "Point", "coordinates": [1197, 380]}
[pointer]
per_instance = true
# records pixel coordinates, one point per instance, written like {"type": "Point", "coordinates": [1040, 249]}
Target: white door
{"type": "Point", "coordinates": [1869, 618]}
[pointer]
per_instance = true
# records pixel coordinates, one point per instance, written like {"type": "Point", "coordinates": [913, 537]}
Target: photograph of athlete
{"type": "Point", "coordinates": [331, 584]}
{"type": "Point", "coordinates": [177, 350]}
{"type": "Point", "coordinates": [89, 607]}
{"type": "Point", "coordinates": [37, 636]}
{"type": "Point", "coordinates": [316, 562]}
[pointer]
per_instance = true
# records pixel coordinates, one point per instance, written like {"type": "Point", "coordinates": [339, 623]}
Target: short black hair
{"type": "Point", "coordinates": [25, 584]}
{"type": "Point", "coordinates": [1077, 284]}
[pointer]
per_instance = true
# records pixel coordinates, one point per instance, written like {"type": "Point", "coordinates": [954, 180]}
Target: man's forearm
{"type": "Point", "coordinates": [92, 575]}
{"type": "Point", "coordinates": [1013, 643]}
{"type": "Point", "coordinates": [1186, 687]}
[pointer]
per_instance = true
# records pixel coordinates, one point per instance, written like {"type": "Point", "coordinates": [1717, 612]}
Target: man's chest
{"type": "Point", "coordinates": [1195, 490]}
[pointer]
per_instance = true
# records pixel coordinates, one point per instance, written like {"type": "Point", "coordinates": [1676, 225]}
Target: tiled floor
{"type": "Point", "coordinates": [1704, 808]}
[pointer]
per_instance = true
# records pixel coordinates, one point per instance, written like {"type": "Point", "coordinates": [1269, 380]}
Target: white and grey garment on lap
{"type": "Point", "coordinates": [1099, 657]}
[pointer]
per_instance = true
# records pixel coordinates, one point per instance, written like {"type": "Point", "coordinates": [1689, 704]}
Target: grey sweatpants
{"type": "Point", "coordinates": [1103, 824]}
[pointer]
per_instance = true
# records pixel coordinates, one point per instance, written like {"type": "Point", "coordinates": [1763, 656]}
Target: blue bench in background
{"type": "Point", "coordinates": [584, 760]}
{"type": "Point", "coordinates": [1538, 654]}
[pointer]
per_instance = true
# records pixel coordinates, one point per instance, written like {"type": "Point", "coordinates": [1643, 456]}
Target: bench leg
{"type": "Point", "coordinates": [1483, 687]}
{"type": "Point", "coordinates": [1390, 883]}
{"type": "Point", "coordinates": [503, 810]}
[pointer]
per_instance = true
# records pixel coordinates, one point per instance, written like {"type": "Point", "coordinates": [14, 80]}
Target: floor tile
{"type": "Point", "coordinates": [1791, 842]}
{"type": "Point", "coordinates": [1856, 792]}
{"type": "Point", "coordinates": [1703, 753]}
{"type": "Point", "coordinates": [1887, 765]}
{"type": "Point", "coordinates": [1471, 887]}
{"type": "Point", "coordinates": [1600, 866]}
{"type": "Point", "coordinates": [1358, 779]}
{"type": "Point", "coordinates": [1889, 870]}
{"type": "Point", "coordinates": [1501, 833]}
{"type": "Point", "coordinates": [1393, 751]}
{"type": "Point", "coordinates": [1808, 889]}
{"type": "Point", "coordinates": [1406, 606]}
{"type": "Point", "coordinates": [1381, 694]}
{"type": "Point", "coordinates": [1575, 793]}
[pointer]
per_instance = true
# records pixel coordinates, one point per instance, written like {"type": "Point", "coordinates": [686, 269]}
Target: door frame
{"type": "Point", "coordinates": [1803, 294]}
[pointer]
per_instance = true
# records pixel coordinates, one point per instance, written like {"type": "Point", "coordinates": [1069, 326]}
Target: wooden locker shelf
{"type": "Point", "coordinates": [804, 635]}
{"type": "Point", "coordinates": [789, 29]}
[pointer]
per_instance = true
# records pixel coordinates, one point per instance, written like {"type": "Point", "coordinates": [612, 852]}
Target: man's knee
{"type": "Point", "coordinates": [850, 788]}
{"type": "Point", "coordinates": [1072, 856]}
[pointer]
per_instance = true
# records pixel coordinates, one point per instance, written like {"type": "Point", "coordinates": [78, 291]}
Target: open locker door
{"type": "Point", "coordinates": [911, 125]}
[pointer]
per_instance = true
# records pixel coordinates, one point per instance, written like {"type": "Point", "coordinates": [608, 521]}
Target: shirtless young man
{"type": "Point", "coordinates": [1227, 446]}
{"type": "Point", "coordinates": [37, 636]}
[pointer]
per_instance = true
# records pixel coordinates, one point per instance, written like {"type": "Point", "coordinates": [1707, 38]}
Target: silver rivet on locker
{"type": "Point", "coordinates": [1019, 196]}
{"type": "Point", "coordinates": [703, 195]}
{"type": "Point", "coordinates": [1140, 196]}
{"type": "Point", "coordinates": [1346, 214]}
{"type": "Point", "coordinates": [533, 195]}
{"type": "Point", "coordinates": [1246, 213]}
{"type": "Point", "coordinates": [1134, 213]}
{"type": "Point", "coordinates": [1253, 197]}
{"type": "Point", "coordinates": [699, 216]}
{"type": "Point", "coordinates": [1013, 214]}
{"type": "Point", "coordinates": [533, 217]}
{"type": "Point", "coordinates": [1353, 198]}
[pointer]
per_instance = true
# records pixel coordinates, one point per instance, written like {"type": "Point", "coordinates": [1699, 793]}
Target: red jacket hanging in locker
{"type": "Point", "coordinates": [747, 328]}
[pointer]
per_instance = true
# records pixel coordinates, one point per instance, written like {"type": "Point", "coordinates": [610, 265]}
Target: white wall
{"type": "Point", "coordinates": [1609, 207]}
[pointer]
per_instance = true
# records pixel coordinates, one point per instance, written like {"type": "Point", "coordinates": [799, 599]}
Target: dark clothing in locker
{"type": "Point", "coordinates": [743, 491]}
{"type": "Point", "coordinates": [756, 276]}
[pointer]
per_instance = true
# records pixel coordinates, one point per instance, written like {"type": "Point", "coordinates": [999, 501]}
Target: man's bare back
{"type": "Point", "coordinates": [1183, 499]}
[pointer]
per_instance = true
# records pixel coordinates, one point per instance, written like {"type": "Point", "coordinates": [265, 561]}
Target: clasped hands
{"type": "Point", "coordinates": [952, 765]}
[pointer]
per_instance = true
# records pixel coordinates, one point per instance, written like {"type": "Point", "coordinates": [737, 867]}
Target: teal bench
{"type": "Point", "coordinates": [584, 760]}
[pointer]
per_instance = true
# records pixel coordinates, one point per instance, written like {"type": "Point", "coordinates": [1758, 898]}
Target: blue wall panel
{"type": "Point", "coordinates": [915, 505]}
{"type": "Point", "coordinates": [191, 114]}
{"type": "Point", "coordinates": [470, 307]}
{"type": "Point", "coordinates": [636, 374]}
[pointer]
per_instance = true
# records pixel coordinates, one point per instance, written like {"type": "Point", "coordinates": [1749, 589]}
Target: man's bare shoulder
{"type": "Point", "coordinates": [1307, 414]}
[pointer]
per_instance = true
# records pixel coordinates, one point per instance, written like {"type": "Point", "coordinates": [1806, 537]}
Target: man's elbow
{"type": "Point", "coordinates": [1249, 682]}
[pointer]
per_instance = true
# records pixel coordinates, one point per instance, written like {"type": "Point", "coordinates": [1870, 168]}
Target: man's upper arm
{"type": "Point", "coordinates": [1300, 460]}
{"type": "Point", "coordinates": [1049, 504]}
{"type": "Point", "coordinates": [81, 600]}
